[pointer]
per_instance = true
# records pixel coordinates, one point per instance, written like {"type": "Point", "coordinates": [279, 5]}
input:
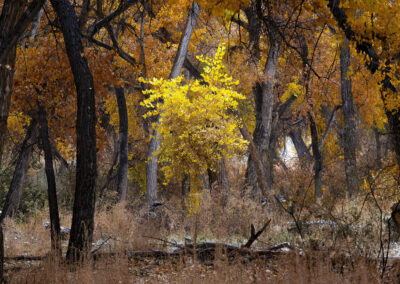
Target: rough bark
{"type": "Point", "coordinates": [51, 183]}
{"type": "Point", "coordinates": [10, 40]}
{"type": "Point", "coordinates": [152, 165]}
{"type": "Point", "coordinates": [264, 101]}
{"type": "Point", "coordinates": [36, 23]}
{"type": "Point", "coordinates": [123, 145]}
{"type": "Point", "coordinates": [378, 149]}
{"type": "Point", "coordinates": [301, 148]}
{"type": "Point", "coordinates": [258, 165]}
{"type": "Point", "coordinates": [85, 192]}
{"type": "Point", "coordinates": [15, 191]}
{"type": "Point", "coordinates": [317, 155]}
{"type": "Point", "coordinates": [11, 12]}
{"type": "Point", "coordinates": [349, 135]}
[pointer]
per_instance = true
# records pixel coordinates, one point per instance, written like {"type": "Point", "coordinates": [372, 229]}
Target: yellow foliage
{"type": "Point", "coordinates": [16, 122]}
{"type": "Point", "coordinates": [196, 122]}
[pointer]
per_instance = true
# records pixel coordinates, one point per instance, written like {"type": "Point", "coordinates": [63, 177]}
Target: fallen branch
{"type": "Point", "coordinates": [253, 235]}
{"type": "Point", "coordinates": [25, 257]}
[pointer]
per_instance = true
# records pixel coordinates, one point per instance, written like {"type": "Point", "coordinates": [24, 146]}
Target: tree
{"type": "Point", "coordinates": [151, 170]}
{"type": "Point", "coordinates": [14, 193]}
{"type": "Point", "coordinates": [349, 143]}
{"type": "Point", "coordinates": [51, 182]}
{"type": "Point", "coordinates": [86, 167]}
{"type": "Point", "coordinates": [196, 121]}
{"type": "Point", "coordinates": [123, 145]}
{"type": "Point", "coordinates": [13, 23]}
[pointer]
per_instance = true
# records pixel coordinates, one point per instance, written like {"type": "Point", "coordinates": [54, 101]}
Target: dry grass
{"type": "Point", "coordinates": [344, 254]}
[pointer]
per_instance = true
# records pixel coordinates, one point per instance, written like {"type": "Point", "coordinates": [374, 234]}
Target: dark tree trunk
{"type": "Point", "coordinates": [378, 149]}
{"type": "Point", "coordinates": [317, 159]}
{"type": "Point", "coordinates": [301, 148]}
{"type": "Point", "coordinates": [85, 191]}
{"type": "Point", "coordinates": [394, 125]}
{"type": "Point", "coordinates": [151, 170]}
{"type": "Point", "coordinates": [51, 183]}
{"type": "Point", "coordinates": [9, 42]}
{"type": "Point", "coordinates": [11, 12]}
{"type": "Point", "coordinates": [14, 193]}
{"type": "Point", "coordinates": [349, 135]}
{"type": "Point", "coordinates": [123, 145]}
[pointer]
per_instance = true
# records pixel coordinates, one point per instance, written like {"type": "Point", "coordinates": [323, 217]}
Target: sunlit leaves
{"type": "Point", "coordinates": [197, 121]}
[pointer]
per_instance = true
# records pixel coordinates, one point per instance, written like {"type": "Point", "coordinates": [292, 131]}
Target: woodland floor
{"type": "Point", "coordinates": [135, 246]}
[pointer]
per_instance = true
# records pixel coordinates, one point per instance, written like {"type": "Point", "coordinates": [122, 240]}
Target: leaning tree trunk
{"type": "Point", "coordinates": [85, 189]}
{"type": "Point", "coordinates": [12, 11]}
{"type": "Point", "coordinates": [123, 145]}
{"type": "Point", "coordinates": [349, 135]}
{"type": "Point", "coordinates": [51, 183]}
{"type": "Point", "coordinates": [152, 165]}
{"type": "Point", "coordinates": [15, 191]}
{"type": "Point", "coordinates": [301, 148]}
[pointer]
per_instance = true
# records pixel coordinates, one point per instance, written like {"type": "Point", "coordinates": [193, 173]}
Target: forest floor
{"type": "Point", "coordinates": [326, 251]}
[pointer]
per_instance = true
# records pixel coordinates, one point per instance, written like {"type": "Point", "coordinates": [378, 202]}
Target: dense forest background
{"type": "Point", "coordinates": [232, 140]}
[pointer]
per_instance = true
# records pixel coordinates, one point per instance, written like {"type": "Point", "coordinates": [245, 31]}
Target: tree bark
{"type": "Point", "coordinates": [10, 40]}
{"type": "Point", "coordinates": [378, 149]}
{"type": "Point", "coordinates": [11, 12]}
{"type": "Point", "coordinates": [317, 159]}
{"type": "Point", "coordinates": [301, 148]}
{"type": "Point", "coordinates": [152, 165]}
{"type": "Point", "coordinates": [264, 100]}
{"type": "Point", "coordinates": [36, 23]}
{"type": "Point", "coordinates": [123, 145]}
{"type": "Point", "coordinates": [349, 135]}
{"type": "Point", "coordinates": [15, 191]}
{"type": "Point", "coordinates": [85, 190]}
{"type": "Point", "coordinates": [51, 183]}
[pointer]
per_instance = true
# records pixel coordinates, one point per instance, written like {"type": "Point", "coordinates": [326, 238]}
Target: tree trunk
{"type": "Point", "coordinates": [85, 190]}
{"type": "Point", "coordinates": [378, 149]}
{"type": "Point", "coordinates": [14, 193]}
{"type": "Point", "coordinates": [317, 159]}
{"type": "Point", "coordinates": [365, 46]}
{"type": "Point", "coordinates": [36, 23]}
{"type": "Point", "coordinates": [301, 148]}
{"type": "Point", "coordinates": [349, 135]}
{"type": "Point", "coordinates": [123, 145]}
{"type": "Point", "coordinates": [51, 183]}
{"type": "Point", "coordinates": [11, 12]}
{"type": "Point", "coordinates": [151, 170]}
{"type": "Point", "coordinates": [264, 100]}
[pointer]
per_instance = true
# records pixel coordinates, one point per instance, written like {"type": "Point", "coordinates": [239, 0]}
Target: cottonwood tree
{"type": "Point", "coordinates": [86, 168]}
